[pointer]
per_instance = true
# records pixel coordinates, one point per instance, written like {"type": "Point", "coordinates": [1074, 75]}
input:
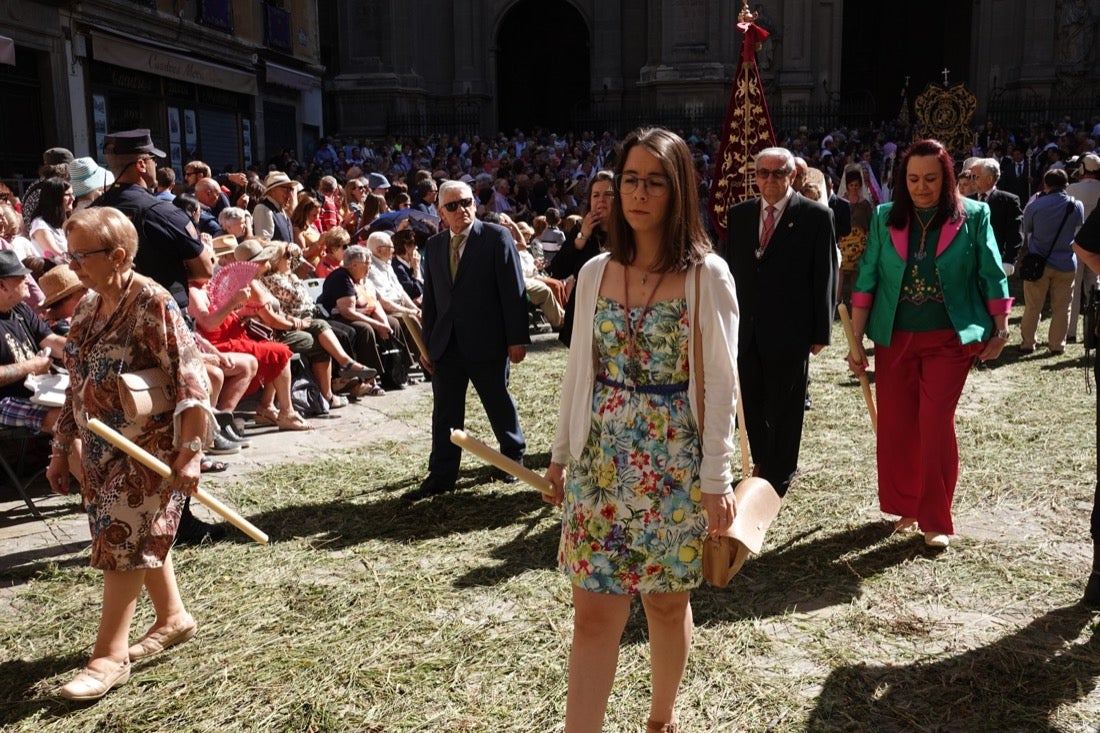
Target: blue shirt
{"type": "Point", "coordinates": [1042, 218]}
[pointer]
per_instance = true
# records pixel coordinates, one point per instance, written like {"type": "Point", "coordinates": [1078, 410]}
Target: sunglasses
{"type": "Point", "coordinates": [778, 173]}
{"type": "Point", "coordinates": [460, 204]}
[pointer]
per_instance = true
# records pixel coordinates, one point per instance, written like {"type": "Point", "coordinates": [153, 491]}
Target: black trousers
{"type": "Point", "coordinates": [451, 378]}
{"type": "Point", "coordinates": [774, 394]}
{"type": "Point", "coordinates": [1095, 523]}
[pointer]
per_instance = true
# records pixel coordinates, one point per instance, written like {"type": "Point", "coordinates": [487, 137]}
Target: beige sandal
{"type": "Point", "coordinates": [266, 416]}
{"type": "Point", "coordinates": [292, 421]}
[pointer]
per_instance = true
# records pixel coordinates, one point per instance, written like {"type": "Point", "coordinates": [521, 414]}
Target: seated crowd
{"type": "Point", "coordinates": [318, 273]}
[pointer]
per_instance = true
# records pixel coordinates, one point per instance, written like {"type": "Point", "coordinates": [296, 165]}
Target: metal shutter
{"type": "Point", "coordinates": [218, 140]}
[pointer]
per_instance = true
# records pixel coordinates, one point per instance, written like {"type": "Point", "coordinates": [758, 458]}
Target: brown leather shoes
{"type": "Point", "coordinates": [92, 685]}
{"type": "Point", "coordinates": [157, 641]}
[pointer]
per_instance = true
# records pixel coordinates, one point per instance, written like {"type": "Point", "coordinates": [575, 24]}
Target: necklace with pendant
{"type": "Point", "coordinates": [921, 254]}
{"type": "Point", "coordinates": [633, 366]}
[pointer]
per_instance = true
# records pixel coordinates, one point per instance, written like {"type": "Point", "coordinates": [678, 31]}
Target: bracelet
{"type": "Point", "coordinates": [62, 448]}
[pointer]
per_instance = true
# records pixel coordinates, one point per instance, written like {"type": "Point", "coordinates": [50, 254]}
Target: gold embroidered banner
{"type": "Point", "coordinates": [747, 130]}
{"type": "Point", "coordinates": [944, 114]}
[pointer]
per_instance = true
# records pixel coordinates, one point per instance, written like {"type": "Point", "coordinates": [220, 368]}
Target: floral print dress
{"type": "Point", "coordinates": [132, 514]}
{"type": "Point", "coordinates": [633, 520]}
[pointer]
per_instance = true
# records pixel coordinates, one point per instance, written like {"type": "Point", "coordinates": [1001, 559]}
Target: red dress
{"type": "Point", "coordinates": [231, 336]}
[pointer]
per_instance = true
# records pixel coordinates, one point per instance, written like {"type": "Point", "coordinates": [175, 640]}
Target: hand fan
{"type": "Point", "coordinates": [228, 281]}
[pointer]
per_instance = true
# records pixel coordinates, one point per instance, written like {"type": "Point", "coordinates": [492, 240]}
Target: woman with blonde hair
{"type": "Point", "coordinates": [127, 323]}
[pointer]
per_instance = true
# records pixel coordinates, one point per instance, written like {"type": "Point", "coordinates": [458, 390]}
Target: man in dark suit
{"type": "Point", "coordinates": [475, 323]}
{"type": "Point", "coordinates": [1005, 213]}
{"type": "Point", "coordinates": [1015, 175]}
{"type": "Point", "coordinates": [782, 252]}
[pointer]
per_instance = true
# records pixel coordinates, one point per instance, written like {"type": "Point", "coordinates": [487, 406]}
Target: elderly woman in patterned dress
{"type": "Point", "coordinates": [128, 323]}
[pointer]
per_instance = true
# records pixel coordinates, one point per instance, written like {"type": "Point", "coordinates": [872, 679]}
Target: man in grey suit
{"type": "Point", "coordinates": [782, 252]}
{"type": "Point", "coordinates": [474, 324]}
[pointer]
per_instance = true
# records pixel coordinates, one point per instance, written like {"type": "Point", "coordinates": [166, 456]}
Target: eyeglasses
{"type": "Point", "coordinates": [460, 204]}
{"type": "Point", "coordinates": [777, 173]}
{"type": "Point", "coordinates": [655, 186]}
{"type": "Point", "coordinates": [362, 188]}
{"type": "Point", "coordinates": [79, 257]}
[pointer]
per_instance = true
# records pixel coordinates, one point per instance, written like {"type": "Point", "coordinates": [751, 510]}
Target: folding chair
{"type": "Point", "coordinates": [20, 436]}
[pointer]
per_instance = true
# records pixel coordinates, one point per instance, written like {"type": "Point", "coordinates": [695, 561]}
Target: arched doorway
{"type": "Point", "coordinates": [886, 42]}
{"type": "Point", "coordinates": [542, 65]}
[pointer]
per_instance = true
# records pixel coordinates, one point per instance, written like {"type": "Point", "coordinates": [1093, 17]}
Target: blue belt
{"type": "Point", "coordinates": [665, 389]}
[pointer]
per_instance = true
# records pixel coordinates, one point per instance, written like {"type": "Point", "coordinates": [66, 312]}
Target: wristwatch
{"type": "Point", "coordinates": [580, 237]}
{"type": "Point", "coordinates": [194, 445]}
{"type": "Point", "coordinates": [1001, 334]}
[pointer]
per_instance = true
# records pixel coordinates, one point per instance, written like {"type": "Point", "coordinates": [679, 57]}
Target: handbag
{"type": "Point", "coordinates": [1033, 264]}
{"type": "Point", "coordinates": [146, 392]}
{"type": "Point", "coordinates": [756, 503]}
{"type": "Point", "coordinates": [258, 330]}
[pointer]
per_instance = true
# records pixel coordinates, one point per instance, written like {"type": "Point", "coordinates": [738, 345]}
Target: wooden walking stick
{"type": "Point", "coordinates": [139, 454]}
{"type": "Point", "coordinates": [501, 461]}
{"type": "Point", "coordinates": [864, 382]}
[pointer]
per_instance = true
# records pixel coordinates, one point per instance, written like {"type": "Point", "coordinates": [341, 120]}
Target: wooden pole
{"type": "Point", "coordinates": [139, 454]}
{"type": "Point", "coordinates": [864, 382]}
{"type": "Point", "coordinates": [501, 461]}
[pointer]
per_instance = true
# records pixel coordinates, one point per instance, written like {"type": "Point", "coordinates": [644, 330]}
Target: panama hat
{"type": "Point", "coordinates": [276, 179]}
{"type": "Point", "coordinates": [57, 284]}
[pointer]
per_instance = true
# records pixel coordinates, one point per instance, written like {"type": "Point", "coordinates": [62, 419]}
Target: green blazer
{"type": "Point", "coordinates": [968, 263]}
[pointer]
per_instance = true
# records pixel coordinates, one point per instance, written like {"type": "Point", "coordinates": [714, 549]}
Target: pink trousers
{"type": "Point", "coordinates": [919, 378]}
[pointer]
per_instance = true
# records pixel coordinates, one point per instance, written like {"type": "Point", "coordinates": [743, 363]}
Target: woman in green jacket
{"type": "Point", "coordinates": [932, 296]}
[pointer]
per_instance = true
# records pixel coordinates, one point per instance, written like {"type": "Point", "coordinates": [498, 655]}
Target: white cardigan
{"type": "Point", "coordinates": [718, 316]}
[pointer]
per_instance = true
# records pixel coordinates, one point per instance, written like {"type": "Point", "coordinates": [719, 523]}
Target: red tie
{"type": "Point", "coordinates": [769, 229]}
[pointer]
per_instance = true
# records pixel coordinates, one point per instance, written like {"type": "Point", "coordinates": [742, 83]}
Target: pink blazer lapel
{"type": "Point", "coordinates": [948, 232]}
{"type": "Point", "coordinates": [900, 238]}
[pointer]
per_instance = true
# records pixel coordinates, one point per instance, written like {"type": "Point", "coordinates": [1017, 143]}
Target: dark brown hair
{"type": "Point", "coordinates": [685, 242]}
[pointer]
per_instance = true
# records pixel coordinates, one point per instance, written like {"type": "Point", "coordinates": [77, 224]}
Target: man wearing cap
{"type": "Point", "coordinates": [378, 183]}
{"type": "Point", "coordinates": [55, 162]}
{"type": "Point", "coordinates": [1086, 190]}
{"type": "Point", "coordinates": [269, 218]}
{"type": "Point", "coordinates": [169, 250]}
{"type": "Point", "coordinates": [1005, 212]}
{"type": "Point", "coordinates": [24, 337]}
{"type": "Point", "coordinates": [475, 323]}
{"type": "Point", "coordinates": [62, 290]}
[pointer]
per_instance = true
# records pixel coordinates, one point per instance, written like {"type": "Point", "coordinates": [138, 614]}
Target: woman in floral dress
{"type": "Point", "coordinates": [644, 482]}
{"type": "Point", "coordinates": [126, 324]}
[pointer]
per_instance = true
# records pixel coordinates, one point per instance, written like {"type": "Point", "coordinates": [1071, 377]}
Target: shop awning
{"type": "Point", "coordinates": [176, 66]}
{"type": "Point", "coordinates": [286, 77]}
{"type": "Point", "coordinates": [7, 51]}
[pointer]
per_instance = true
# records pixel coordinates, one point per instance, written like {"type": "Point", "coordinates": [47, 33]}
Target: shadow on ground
{"type": "Point", "coordinates": [1013, 684]}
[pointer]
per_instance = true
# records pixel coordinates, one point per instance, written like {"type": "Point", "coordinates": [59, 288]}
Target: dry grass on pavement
{"type": "Point", "coordinates": [365, 615]}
